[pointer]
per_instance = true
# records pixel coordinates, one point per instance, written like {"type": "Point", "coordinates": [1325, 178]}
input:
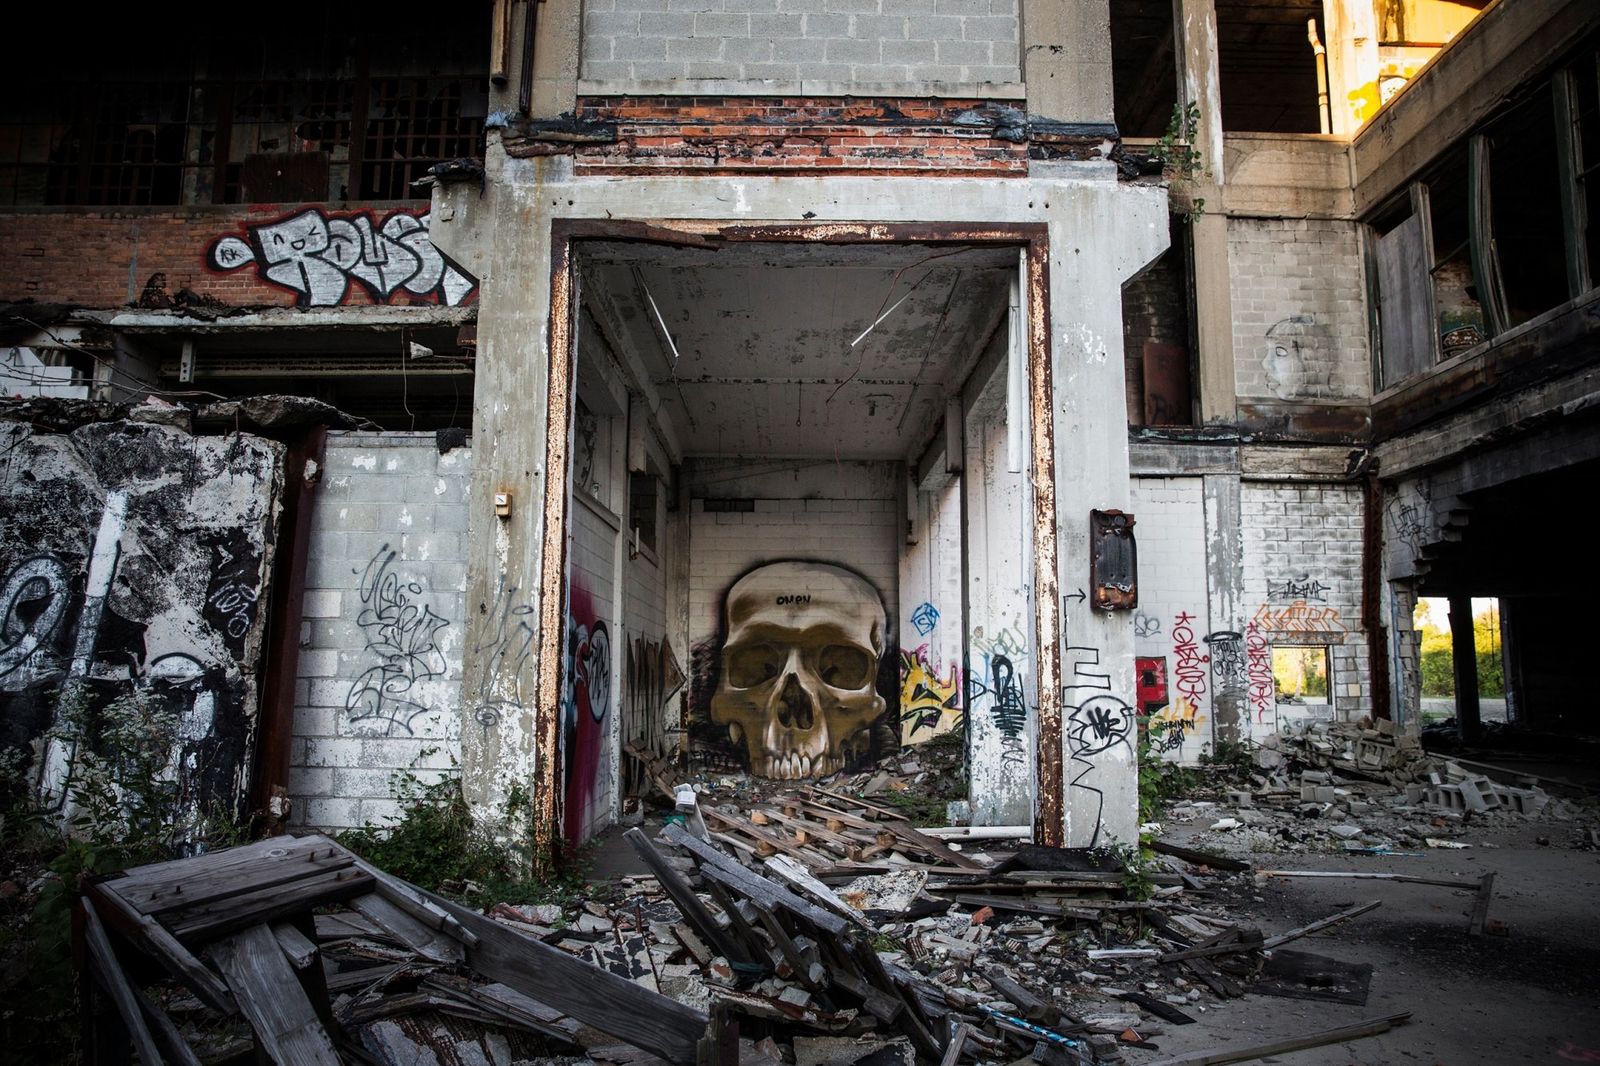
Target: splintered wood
{"type": "Point", "coordinates": [314, 987]}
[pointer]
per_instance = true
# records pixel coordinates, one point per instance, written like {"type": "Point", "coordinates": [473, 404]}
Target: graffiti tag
{"type": "Point", "coordinates": [317, 254]}
{"type": "Point", "coordinates": [402, 632]}
{"type": "Point", "coordinates": [1258, 671]}
{"type": "Point", "coordinates": [925, 618]}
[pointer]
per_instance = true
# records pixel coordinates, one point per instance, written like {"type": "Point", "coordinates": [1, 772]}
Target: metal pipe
{"type": "Point", "coordinates": [1323, 111]}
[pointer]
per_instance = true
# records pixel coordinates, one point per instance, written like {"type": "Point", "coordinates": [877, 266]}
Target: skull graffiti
{"type": "Point", "coordinates": [800, 667]}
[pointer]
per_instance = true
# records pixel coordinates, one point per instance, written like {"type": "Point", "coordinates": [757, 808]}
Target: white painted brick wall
{"type": "Point", "coordinates": [835, 42]}
{"type": "Point", "coordinates": [380, 493]}
{"type": "Point", "coordinates": [1171, 534]}
{"type": "Point", "coordinates": [1299, 312]}
{"type": "Point", "coordinates": [860, 533]}
{"type": "Point", "coordinates": [1310, 533]}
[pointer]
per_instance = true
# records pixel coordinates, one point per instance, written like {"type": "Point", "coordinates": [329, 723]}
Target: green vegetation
{"type": "Point", "coordinates": [122, 809]}
{"type": "Point", "coordinates": [438, 844]}
{"type": "Point", "coordinates": [1437, 661]}
{"type": "Point", "coordinates": [1176, 152]}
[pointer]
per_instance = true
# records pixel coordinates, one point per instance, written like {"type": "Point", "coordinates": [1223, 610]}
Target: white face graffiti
{"type": "Point", "coordinates": [800, 668]}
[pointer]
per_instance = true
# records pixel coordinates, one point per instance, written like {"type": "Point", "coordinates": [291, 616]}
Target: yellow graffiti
{"type": "Point", "coordinates": [929, 705]}
{"type": "Point", "coordinates": [1298, 617]}
{"type": "Point", "coordinates": [1172, 723]}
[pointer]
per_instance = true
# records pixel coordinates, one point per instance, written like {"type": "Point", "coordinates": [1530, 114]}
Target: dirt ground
{"type": "Point", "coordinates": [1531, 996]}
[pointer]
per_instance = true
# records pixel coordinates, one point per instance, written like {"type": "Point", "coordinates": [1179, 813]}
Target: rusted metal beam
{"type": "Point", "coordinates": [547, 783]}
{"type": "Point", "coordinates": [1372, 591]}
{"type": "Point", "coordinates": [269, 791]}
{"type": "Point", "coordinates": [1049, 826]}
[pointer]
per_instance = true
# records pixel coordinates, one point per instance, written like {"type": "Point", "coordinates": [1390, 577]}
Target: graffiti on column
{"type": "Point", "coordinates": [925, 618]}
{"type": "Point", "coordinates": [1097, 721]}
{"type": "Point", "coordinates": [1228, 683]}
{"type": "Point", "coordinates": [930, 703]}
{"type": "Point", "coordinates": [505, 644]}
{"type": "Point", "coordinates": [585, 699]}
{"type": "Point", "coordinates": [1258, 670]}
{"type": "Point", "coordinates": [1146, 625]}
{"type": "Point", "coordinates": [653, 678]}
{"type": "Point", "coordinates": [994, 686]}
{"type": "Point", "coordinates": [316, 254]}
{"type": "Point", "coordinates": [402, 632]}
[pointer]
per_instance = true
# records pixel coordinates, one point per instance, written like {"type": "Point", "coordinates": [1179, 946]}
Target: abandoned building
{"type": "Point", "coordinates": [764, 385]}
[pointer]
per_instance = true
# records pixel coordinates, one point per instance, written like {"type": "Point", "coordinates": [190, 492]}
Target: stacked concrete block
{"type": "Point", "coordinates": [885, 44]}
{"type": "Point", "coordinates": [379, 686]}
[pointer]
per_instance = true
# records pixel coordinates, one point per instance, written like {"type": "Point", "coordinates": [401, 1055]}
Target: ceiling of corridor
{"type": "Point", "coordinates": [841, 351]}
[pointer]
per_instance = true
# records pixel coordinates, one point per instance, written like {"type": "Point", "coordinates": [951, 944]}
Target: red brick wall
{"type": "Point", "coordinates": [775, 135]}
{"type": "Point", "coordinates": [104, 257]}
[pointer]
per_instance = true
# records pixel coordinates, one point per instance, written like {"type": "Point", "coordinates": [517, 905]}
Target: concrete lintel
{"type": "Point", "coordinates": [377, 317]}
{"type": "Point", "coordinates": [941, 90]}
{"type": "Point", "coordinates": [1181, 459]}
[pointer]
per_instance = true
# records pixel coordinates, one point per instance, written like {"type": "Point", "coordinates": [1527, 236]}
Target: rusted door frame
{"type": "Point", "coordinates": [1049, 824]}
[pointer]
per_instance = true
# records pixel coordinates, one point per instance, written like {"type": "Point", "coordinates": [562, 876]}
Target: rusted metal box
{"type": "Point", "coordinates": [1113, 561]}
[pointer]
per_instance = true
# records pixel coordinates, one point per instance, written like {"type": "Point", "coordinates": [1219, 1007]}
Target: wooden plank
{"type": "Point", "coordinates": [689, 904]}
{"type": "Point", "coordinates": [105, 968]}
{"type": "Point", "coordinates": [429, 943]}
{"type": "Point", "coordinates": [1198, 858]}
{"type": "Point", "coordinates": [596, 997]}
{"type": "Point", "coordinates": [958, 1042]}
{"type": "Point", "coordinates": [1246, 942]}
{"type": "Point", "coordinates": [158, 898]}
{"type": "Point", "coordinates": [156, 879]}
{"type": "Point", "coordinates": [270, 997]}
{"type": "Point", "coordinates": [297, 947]}
{"type": "Point", "coordinates": [761, 836]}
{"type": "Point", "coordinates": [1361, 875]}
{"type": "Point", "coordinates": [759, 889]}
{"type": "Point", "coordinates": [224, 916]}
{"type": "Point", "coordinates": [153, 938]}
{"type": "Point", "coordinates": [173, 1045]}
{"type": "Point", "coordinates": [1319, 925]}
{"type": "Point", "coordinates": [799, 878]}
{"type": "Point", "coordinates": [1321, 1038]}
{"type": "Point", "coordinates": [409, 900]}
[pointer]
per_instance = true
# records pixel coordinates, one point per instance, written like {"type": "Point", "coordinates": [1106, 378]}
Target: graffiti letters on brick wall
{"type": "Point", "coordinates": [402, 634]}
{"type": "Point", "coordinates": [995, 689]}
{"type": "Point", "coordinates": [800, 682]}
{"type": "Point", "coordinates": [316, 254]}
{"type": "Point", "coordinates": [127, 636]}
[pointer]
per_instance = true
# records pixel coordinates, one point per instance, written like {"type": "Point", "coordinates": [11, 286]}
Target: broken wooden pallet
{"type": "Point", "coordinates": [250, 912]}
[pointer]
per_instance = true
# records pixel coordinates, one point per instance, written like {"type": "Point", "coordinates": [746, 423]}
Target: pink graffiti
{"type": "Point", "coordinates": [1573, 1053]}
{"type": "Point", "coordinates": [1258, 670]}
{"type": "Point", "coordinates": [1189, 675]}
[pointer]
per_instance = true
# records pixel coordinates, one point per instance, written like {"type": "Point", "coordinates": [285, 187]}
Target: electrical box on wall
{"type": "Point", "coordinates": [1113, 561]}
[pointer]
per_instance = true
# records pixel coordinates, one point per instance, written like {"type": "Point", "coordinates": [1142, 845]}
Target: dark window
{"type": "Point", "coordinates": [642, 509]}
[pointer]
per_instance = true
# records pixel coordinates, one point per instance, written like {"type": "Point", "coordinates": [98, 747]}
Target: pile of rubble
{"type": "Point", "coordinates": [809, 927]}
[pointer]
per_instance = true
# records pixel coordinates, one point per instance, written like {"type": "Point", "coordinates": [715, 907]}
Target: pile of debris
{"type": "Point", "coordinates": [813, 927]}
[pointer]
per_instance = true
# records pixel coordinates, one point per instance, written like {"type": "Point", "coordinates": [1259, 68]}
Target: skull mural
{"type": "Point", "coordinates": [799, 670]}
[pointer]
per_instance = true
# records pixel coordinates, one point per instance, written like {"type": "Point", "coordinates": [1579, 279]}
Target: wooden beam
{"type": "Point", "coordinates": [270, 997]}
{"type": "Point", "coordinates": [104, 968]}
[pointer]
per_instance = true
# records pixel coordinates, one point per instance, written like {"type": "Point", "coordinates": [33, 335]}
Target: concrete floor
{"type": "Point", "coordinates": [1529, 997]}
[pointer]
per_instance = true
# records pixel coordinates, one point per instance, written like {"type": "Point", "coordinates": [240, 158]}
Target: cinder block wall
{"type": "Point", "coordinates": [1302, 545]}
{"type": "Point", "coordinates": [1299, 313]}
{"type": "Point", "coordinates": [379, 686]}
{"type": "Point", "coordinates": [827, 42]}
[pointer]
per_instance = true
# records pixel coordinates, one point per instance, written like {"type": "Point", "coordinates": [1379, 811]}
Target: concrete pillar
{"type": "Point", "coordinates": [1002, 652]}
{"type": "Point", "coordinates": [1352, 42]}
{"type": "Point", "coordinates": [557, 39]}
{"type": "Point", "coordinates": [932, 630]}
{"type": "Point", "coordinates": [1066, 59]}
{"type": "Point", "coordinates": [1224, 599]}
{"type": "Point", "coordinates": [1199, 83]}
{"type": "Point", "coordinates": [1100, 772]}
{"type": "Point", "coordinates": [1464, 659]}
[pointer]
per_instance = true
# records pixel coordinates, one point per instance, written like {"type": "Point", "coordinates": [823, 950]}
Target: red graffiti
{"type": "Point", "coordinates": [1573, 1053]}
{"type": "Point", "coordinates": [1189, 675]}
{"type": "Point", "coordinates": [1258, 670]}
{"type": "Point", "coordinates": [586, 698]}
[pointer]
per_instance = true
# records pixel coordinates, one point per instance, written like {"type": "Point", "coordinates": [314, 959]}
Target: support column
{"type": "Point", "coordinates": [1224, 596]}
{"type": "Point", "coordinates": [1066, 60]}
{"type": "Point", "coordinates": [1352, 41]}
{"type": "Point", "coordinates": [1199, 83]}
{"type": "Point", "coordinates": [1464, 658]}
